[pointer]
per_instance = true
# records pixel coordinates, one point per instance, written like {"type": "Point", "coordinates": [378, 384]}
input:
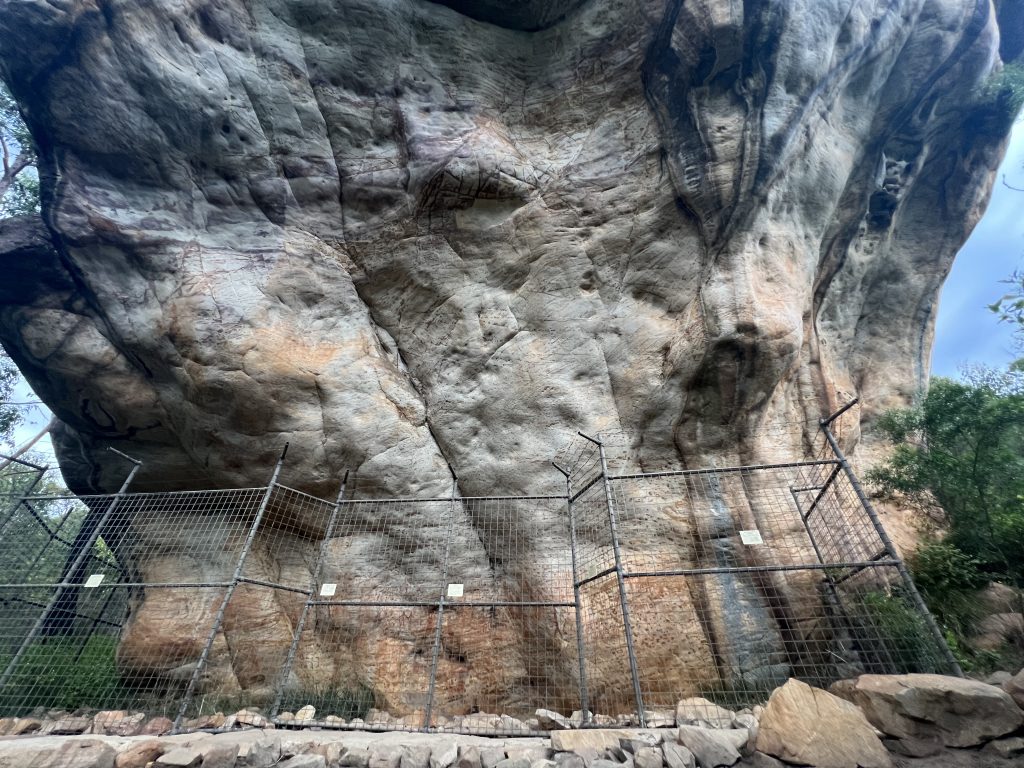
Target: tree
{"type": "Point", "coordinates": [959, 459]}
{"type": "Point", "coordinates": [1010, 308]}
{"type": "Point", "coordinates": [10, 416]}
{"type": "Point", "coordinates": [19, 184]}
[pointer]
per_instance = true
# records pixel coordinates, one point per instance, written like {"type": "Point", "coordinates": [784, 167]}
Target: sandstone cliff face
{"type": "Point", "coordinates": [409, 234]}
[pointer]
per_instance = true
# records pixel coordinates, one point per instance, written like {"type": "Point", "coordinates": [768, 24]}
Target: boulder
{"type": "Point", "coordinates": [1015, 687]}
{"type": "Point", "coordinates": [678, 756]}
{"type": "Point", "coordinates": [57, 753]}
{"type": "Point", "coordinates": [997, 630]}
{"type": "Point", "coordinates": [696, 710]}
{"type": "Point", "coordinates": [809, 726]}
{"type": "Point", "coordinates": [648, 757]}
{"type": "Point", "coordinates": [959, 712]}
{"type": "Point", "coordinates": [713, 748]}
{"type": "Point", "coordinates": [158, 726]}
{"type": "Point", "coordinates": [406, 240]}
{"type": "Point", "coordinates": [552, 721]}
{"type": "Point", "coordinates": [139, 754]}
{"type": "Point", "coordinates": [1007, 748]}
{"type": "Point", "coordinates": [418, 757]}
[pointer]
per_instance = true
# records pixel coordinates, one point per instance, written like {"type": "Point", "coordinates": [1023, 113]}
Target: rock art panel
{"type": "Point", "coordinates": [415, 235]}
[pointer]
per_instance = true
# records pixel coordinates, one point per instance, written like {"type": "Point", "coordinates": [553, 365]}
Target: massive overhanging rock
{"type": "Point", "coordinates": [402, 238]}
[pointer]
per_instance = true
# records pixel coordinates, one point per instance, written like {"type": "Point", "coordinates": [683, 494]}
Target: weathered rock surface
{"type": "Point", "coordinates": [961, 713]}
{"type": "Point", "coordinates": [809, 726]}
{"type": "Point", "coordinates": [412, 234]}
{"type": "Point", "coordinates": [1015, 687]}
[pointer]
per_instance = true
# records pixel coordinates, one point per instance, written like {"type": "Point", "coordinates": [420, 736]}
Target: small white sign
{"type": "Point", "coordinates": [751, 537]}
{"type": "Point", "coordinates": [328, 589]}
{"type": "Point", "coordinates": [454, 590]}
{"type": "Point", "coordinates": [93, 581]}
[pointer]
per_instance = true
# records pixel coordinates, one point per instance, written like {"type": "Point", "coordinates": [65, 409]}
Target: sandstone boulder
{"type": "Point", "coordinates": [961, 713]}
{"type": "Point", "coordinates": [412, 235]}
{"type": "Point", "coordinates": [809, 726]}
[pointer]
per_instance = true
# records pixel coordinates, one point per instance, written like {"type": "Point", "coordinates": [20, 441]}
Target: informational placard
{"type": "Point", "coordinates": [93, 581]}
{"type": "Point", "coordinates": [327, 589]}
{"type": "Point", "coordinates": [751, 537]}
{"type": "Point", "coordinates": [455, 590]}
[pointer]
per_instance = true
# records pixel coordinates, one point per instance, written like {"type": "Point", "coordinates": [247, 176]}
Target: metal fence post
{"type": "Point", "coordinates": [83, 555]}
{"type": "Point", "coordinates": [890, 549]}
{"type": "Point", "coordinates": [314, 579]}
{"type": "Point", "coordinates": [620, 577]}
{"type": "Point", "coordinates": [578, 609]}
{"type": "Point", "coordinates": [236, 577]}
{"type": "Point", "coordinates": [436, 654]}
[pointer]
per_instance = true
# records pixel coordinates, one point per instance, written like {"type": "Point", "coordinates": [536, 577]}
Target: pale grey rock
{"type": "Point", "coordinates": [417, 757]}
{"type": "Point", "coordinates": [660, 718]}
{"type": "Point", "coordinates": [648, 757]}
{"type": "Point", "coordinates": [543, 764]}
{"type": "Point", "coordinates": [259, 750]}
{"type": "Point", "coordinates": [1015, 688]}
{"type": "Point", "coordinates": [533, 753]}
{"type": "Point", "coordinates": [696, 710]}
{"type": "Point", "coordinates": [602, 763]}
{"type": "Point", "coordinates": [518, 762]}
{"type": "Point", "coordinates": [469, 757]}
{"type": "Point", "coordinates": [385, 756]}
{"type": "Point", "coordinates": [489, 758]}
{"type": "Point", "coordinates": [1007, 748]}
{"type": "Point", "coordinates": [712, 747]}
{"type": "Point", "coordinates": [998, 678]}
{"type": "Point", "coordinates": [579, 717]}
{"type": "Point", "coordinates": [411, 234]}
{"type": "Point", "coordinates": [551, 721]}
{"type": "Point", "coordinates": [301, 761]}
{"type": "Point", "coordinates": [572, 760]}
{"type": "Point", "coordinates": [677, 756]}
{"type": "Point", "coordinates": [182, 757]}
{"type": "Point", "coordinates": [359, 757]}
{"type": "Point", "coordinates": [444, 755]}
{"type": "Point", "coordinates": [305, 713]}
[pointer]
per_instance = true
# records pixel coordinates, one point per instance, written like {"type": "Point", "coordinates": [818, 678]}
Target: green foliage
{"type": "Point", "coordinates": [899, 631]}
{"type": "Point", "coordinates": [10, 416]}
{"type": "Point", "coordinates": [63, 674]}
{"type": "Point", "coordinates": [16, 143]}
{"type": "Point", "coordinates": [959, 458]}
{"type": "Point", "coordinates": [949, 580]}
{"type": "Point", "coordinates": [1004, 91]}
{"type": "Point", "coordinates": [22, 197]}
{"type": "Point", "coordinates": [1010, 308]}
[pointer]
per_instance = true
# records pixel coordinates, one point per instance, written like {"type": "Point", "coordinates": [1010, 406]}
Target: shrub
{"type": "Point", "coordinates": [63, 674]}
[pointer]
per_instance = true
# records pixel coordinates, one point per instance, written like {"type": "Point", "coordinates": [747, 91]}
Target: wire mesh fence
{"type": "Point", "coordinates": [614, 600]}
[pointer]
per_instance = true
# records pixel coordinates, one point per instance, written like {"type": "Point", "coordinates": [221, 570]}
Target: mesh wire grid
{"type": "Point", "coordinates": [453, 614]}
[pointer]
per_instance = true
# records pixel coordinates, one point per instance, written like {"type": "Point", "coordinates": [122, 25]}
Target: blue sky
{"type": "Point", "coordinates": [965, 330]}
